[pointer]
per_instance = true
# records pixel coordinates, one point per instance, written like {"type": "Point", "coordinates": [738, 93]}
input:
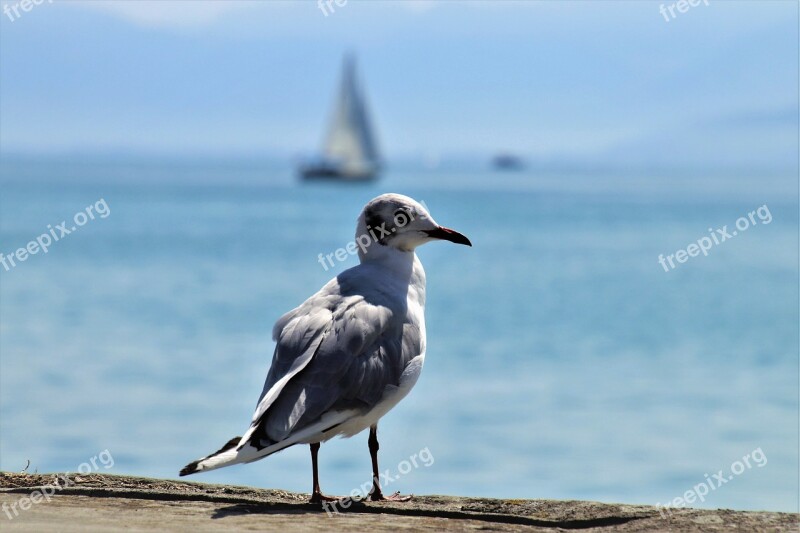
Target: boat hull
{"type": "Point", "coordinates": [331, 173]}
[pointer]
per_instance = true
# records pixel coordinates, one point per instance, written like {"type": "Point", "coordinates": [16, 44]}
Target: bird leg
{"type": "Point", "coordinates": [316, 495]}
{"type": "Point", "coordinates": [376, 494]}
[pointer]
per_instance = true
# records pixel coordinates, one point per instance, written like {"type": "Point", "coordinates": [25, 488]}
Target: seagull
{"type": "Point", "coordinates": [351, 352]}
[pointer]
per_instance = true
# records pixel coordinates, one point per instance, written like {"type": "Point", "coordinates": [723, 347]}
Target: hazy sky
{"type": "Point", "coordinates": [554, 80]}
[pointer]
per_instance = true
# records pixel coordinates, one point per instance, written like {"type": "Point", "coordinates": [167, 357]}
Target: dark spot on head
{"type": "Point", "coordinates": [374, 221]}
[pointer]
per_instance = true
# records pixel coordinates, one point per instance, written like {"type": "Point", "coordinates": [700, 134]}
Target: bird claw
{"type": "Point", "coordinates": [318, 497]}
{"type": "Point", "coordinates": [396, 497]}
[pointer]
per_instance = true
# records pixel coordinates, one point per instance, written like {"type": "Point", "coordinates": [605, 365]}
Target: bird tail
{"type": "Point", "coordinates": [252, 448]}
{"type": "Point", "coordinates": [235, 451]}
{"type": "Point", "coordinates": [227, 455]}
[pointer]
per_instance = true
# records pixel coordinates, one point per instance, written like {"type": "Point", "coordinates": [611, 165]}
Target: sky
{"type": "Point", "coordinates": [596, 82]}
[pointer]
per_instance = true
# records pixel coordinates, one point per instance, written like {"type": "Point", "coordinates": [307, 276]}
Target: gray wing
{"type": "Point", "coordinates": [338, 350]}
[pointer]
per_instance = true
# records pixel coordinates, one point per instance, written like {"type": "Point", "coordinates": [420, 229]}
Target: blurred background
{"type": "Point", "coordinates": [573, 142]}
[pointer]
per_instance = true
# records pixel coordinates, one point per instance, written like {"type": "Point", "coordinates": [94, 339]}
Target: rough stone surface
{"type": "Point", "coordinates": [99, 502]}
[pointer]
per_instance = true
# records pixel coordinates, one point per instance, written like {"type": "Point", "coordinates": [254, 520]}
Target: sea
{"type": "Point", "coordinates": [612, 336]}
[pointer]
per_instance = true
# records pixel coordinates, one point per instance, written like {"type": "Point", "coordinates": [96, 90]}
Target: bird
{"type": "Point", "coordinates": [349, 353]}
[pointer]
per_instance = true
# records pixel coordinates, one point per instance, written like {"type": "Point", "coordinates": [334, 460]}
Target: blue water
{"type": "Point", "coordinates": [563, 361]}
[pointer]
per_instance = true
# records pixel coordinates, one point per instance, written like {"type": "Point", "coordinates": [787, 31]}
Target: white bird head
{"type": "Point", "coordinates": [399, 222]}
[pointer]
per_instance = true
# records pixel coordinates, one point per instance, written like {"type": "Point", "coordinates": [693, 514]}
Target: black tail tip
{"type": "Point", "coordinates": [191, 468]}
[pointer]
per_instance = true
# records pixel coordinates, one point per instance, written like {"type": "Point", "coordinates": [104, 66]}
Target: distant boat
{"type": "Point", "coordinates": [507, 162]}
{"type": "Point", "coordinates": [350, 152]}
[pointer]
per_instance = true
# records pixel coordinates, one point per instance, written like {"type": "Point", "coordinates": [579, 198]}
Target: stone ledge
{"type": "Point", "coordinates": [100, 502]}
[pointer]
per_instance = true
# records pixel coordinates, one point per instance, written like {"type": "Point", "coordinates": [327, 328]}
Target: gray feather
{"type": "Point", "coordinates": [348, 350]}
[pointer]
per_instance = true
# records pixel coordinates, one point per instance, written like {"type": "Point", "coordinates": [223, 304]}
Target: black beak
{"type": "Point", "coordinates": [447, 234]}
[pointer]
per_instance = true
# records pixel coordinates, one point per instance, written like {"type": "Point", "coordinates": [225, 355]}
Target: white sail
{"type": "Point", "coordinates": [350, 140]}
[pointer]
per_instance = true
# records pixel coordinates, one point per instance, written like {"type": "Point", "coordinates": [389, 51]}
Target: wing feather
{"type": "Point", "coordinates": [336, 351]}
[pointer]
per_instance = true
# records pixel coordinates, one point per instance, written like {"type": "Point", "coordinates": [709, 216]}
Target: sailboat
{"type": "Point", "coordinates": [350, 152]}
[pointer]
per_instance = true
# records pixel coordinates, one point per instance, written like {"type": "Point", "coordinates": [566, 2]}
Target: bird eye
{"type": "Point", "coordinates": [402, 217]}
